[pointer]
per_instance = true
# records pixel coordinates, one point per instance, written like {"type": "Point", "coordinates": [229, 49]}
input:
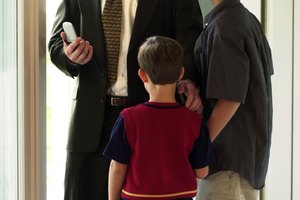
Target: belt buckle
{"type": "Point", "coordinates": [112, 101]}
{"type": "Point", "coordinates": [117, 101]}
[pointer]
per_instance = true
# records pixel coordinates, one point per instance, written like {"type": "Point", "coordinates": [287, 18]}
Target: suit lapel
{"type": "Point", "coordinates": [143, 16]}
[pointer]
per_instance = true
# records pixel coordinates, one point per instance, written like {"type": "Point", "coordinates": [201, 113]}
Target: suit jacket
{"type": "Point", "coordinates": [178, 19]}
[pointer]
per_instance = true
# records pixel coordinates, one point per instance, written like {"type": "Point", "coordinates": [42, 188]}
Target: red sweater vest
{"type": "Point", "coordinates": [161, 137]}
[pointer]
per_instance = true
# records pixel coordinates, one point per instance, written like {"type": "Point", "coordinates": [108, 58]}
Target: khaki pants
{"type": "Point", "coordinates": [226, 185]}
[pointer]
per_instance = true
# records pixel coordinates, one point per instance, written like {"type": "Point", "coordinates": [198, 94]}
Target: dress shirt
{"type": "Point", "coordinates": [128, 14]}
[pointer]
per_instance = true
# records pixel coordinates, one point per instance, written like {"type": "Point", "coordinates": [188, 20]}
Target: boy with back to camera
{"type": "Point", "coordinates": [157, 148]}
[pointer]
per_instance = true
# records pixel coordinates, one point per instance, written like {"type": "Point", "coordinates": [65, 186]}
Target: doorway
{"type": "Point", "coordinates": [59, 88]}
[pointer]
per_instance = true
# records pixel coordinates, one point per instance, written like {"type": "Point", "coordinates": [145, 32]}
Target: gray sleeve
{"type": "Point", "coordinates": [229, 68]}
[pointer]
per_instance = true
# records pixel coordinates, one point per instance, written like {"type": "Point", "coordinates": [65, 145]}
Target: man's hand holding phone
{"type": "Point", "coordinates": [78, 50]}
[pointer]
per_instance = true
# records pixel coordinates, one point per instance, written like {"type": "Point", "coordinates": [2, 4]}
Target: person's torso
{"type": "Point", "coordinates": [249, 131]}
{"type": "Point", "coordinates": [161, 137]}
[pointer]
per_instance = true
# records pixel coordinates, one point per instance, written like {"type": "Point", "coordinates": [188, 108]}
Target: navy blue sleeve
{"type": "Point", "coordinates": [118, 148]}
{"type": "Point", "coordinates": [202, 152]}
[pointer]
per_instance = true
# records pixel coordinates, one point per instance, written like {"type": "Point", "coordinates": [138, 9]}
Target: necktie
{"type": "Point", "coordinates": [111, 19]}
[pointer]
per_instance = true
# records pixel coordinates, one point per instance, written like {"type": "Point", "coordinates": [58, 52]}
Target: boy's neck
{"type": "Point", "coordinates": [162, 93]}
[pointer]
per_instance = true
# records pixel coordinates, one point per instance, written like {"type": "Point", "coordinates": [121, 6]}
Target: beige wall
{"type": "Point", "coordinates": [282, 27]}
{"type": "Point", "coordinates": [254, 6]}
{"type": "Point", "coordinates": [296, 138]}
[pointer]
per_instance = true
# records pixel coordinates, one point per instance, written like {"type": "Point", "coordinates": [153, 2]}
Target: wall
{"type": "Point", "coordinates": [296, 102]}
{"type": "Point", "coordinates": [253, 5]}
{"type": "Point", "coordinates": [280, 21]}
{"type": "Point", "coordinates": [206, 6]}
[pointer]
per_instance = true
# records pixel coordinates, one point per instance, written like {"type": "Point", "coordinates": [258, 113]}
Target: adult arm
{"type": "Point", "coordinates": [202, 172]}
{"type": "Point", "coordinates": [68, 58]}
{"type": "Point", "coordinates": [220, 116]}
{"type": "Point", "coordinates": [188, 25]}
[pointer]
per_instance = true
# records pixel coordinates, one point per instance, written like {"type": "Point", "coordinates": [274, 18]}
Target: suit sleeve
{"type": "Point", "coordinates": [67, 11]}
{"type": "Point", "coordinates": [188, 25]}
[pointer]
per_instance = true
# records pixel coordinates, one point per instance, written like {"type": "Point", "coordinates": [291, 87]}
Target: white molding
{"type": "Point", "coordinates": [31, 64]}
{"type": "Point", "coordinates": [253, 6]}
{"type": "Point", "coordinates": [296, 136]}
{"type": "Point", "coordinates": [280, 34]}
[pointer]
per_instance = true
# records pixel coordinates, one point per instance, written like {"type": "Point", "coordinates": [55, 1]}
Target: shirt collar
{"type": "Point", "coordinates": [220, 7]}
{"type": "Point", "coordinates": [163, 105]}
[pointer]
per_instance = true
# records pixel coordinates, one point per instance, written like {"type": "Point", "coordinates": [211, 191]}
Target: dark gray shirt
{"type": "Point", "coordinates": [234, 63]}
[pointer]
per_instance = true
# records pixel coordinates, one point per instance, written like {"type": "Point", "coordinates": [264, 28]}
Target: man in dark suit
{"type": "Point", "coordinates": [97, 103]}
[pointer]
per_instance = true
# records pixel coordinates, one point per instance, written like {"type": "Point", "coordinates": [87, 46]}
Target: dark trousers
{"type": "Point", "coordinates": [86, 176]}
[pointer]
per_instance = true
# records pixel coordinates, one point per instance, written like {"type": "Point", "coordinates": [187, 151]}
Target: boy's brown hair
{"type": "Point", "coordinates": [161, 58]}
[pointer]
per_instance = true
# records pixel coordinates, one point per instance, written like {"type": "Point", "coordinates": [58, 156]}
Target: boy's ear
{"type": "Point", "coordinates": [143, 75]}
{"type": "Point", "coordinates": [181, 74]}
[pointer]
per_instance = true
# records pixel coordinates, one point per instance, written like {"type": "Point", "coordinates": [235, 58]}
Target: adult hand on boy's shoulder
{"type": "Point", "coordinates": [193, 101]}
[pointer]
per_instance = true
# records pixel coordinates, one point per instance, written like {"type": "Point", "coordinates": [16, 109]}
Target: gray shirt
{"type": "Point", "coordinates": [234, 63]}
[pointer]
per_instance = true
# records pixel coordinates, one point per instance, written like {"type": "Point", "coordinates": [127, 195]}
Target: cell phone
{"type": "Point", "coordinates": [70, 31]}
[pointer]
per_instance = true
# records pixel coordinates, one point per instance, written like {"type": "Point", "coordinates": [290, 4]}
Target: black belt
{"type": "Point", "coordinates": [117, 100]}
